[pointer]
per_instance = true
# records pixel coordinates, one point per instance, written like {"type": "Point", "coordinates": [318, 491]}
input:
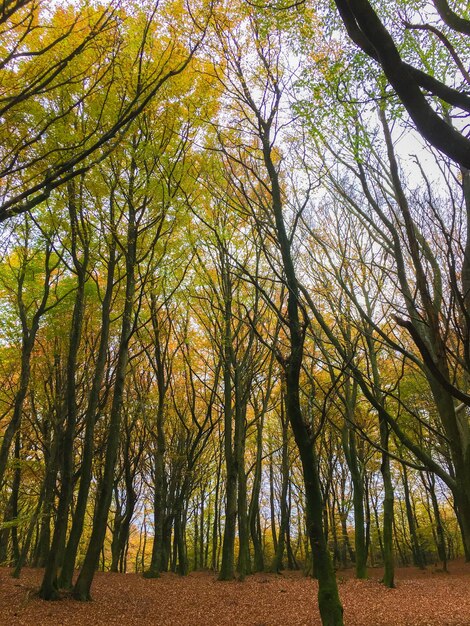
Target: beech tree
{"type": "Point", "coordinates": [260, 118]}
{"type": "Point", "coordinates": [429, 305]}
{"type": "Point", "coordinates": [235, 329]}
{"type": "Point", "coordinates": [376, 35]}
{"type": "Point", "coordinates": [52, 72]}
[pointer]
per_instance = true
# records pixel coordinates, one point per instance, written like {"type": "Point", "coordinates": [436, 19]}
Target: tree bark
{"type": "Point", "coordinates": [82, 587]}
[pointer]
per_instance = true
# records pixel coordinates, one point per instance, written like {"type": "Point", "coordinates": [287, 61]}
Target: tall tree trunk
{"type": "Point", "coordinates": [159, 511]}
{"type": "Point", "coordinates": [291, 560]}
{"type": "Point", "coordinates": [385, 468]}
{"type": "Point", "coordinates": [254, 521]}
{"type": "Point", "coordinates": [227, 568]}
{"type": "Point", "coordinates": [201, 531]}
{"type": "Point", "coordinates": [82, 587]}
{"type": "Point", "coordinates": [49, 586]}
{"type": "Point", "coordinates": [330, 607]}
{"type": "Point", "coordinates": [29, 535]}
{"type": "Point", "coordinates": [28, 338]}
{"type": "Point", "coordinates": [244, 564]}
{"type": "Point", "coordinates": [277, 565]}
{"type": "Point", "coordinates": [70, 556]}
{"type": "Point", "coordinates": [415, 547]}
{"type": "Point", "coordinates": [272, 507]}
{"type": "Point", "coordinates": [11, 513]}
{"type": "Point", "coordinates": [387, 530]}
{"type": "Point", "coordinates": [357, 479]}
{"type": "Point", "coordinates": [183, 566]}
{"type": "Point", "coordinates": [215, 525]}
{"type": "Point", "coordinates": [430, 486]}
{"type": "Point", "coordinates": [158, 560]}
{"type": "Point", "coordinates": [51, 459]}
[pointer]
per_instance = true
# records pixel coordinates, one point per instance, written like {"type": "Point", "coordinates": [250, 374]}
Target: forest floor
{"type": "Point", "coordinates": [429, 598]}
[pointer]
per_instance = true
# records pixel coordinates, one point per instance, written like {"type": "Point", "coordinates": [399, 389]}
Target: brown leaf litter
{"type": "Point", "coordinates": [429, 598]}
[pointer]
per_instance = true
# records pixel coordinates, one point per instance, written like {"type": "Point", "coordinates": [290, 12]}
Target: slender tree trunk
{"type": "Point", "coordinates": [182, 568]}
{"type": "Point", "coordinates": [215, 525]}
{"type": "Point", "coordinates": [196, 538]}
{"type": "Point", "coordinates": [51, 458]}
{"type": "Point", "coordinates": [388, 515]}
{"type": "Point", "coordinates": [244, 565]}
{"type": "Point", "coordinates": [369, 546]}
{"type": "Point", "coordinates": [387, 532]}
{"type": "Point", "coordinates": [29, 535]}
{"type": "Point", "coordinates": [49, 586]}
{"type": "Point", "coordinates": [352, 459]}
{"type": "Point", "coordinates": [115, 541]}
{"type": "Point", "coordinates": [201, 531]}
{"type": "Point", "coordinates": [254, 520]}
{"type": "Point", "coordinates": [415, 547]}
{"type": "Point", "coordinates": [83, 585]}
{"type": "Point", "coordinates": [70, 556]}
{"type": "Point", "coordinates": [208, 533]}
{"type": "Point", "coordinates": [330, 607]}
{"type": "Point", "coordinates": [360, 542]}
{"type": "Point", "coordinates": [333, 530]}
{"type": "Point", "coordinates": [28, 338]}
{"type": "Point", "coordinates": [158, 560]}
{"type": "Point", "coordinates": [440, 534]}
{"type": "Point", "coordinates": [227, 568]}
{"type": "Point", "coordinates": [277, 564]}
{"type": "Point", "coordinates": [291, 560]}
{"type": "Point", "coordinates": [272, 503]}
{"type": "Point", "coordinates": [11, 512]}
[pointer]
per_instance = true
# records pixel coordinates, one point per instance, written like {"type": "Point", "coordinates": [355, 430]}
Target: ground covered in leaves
{"type": "Point", "coordinates": [430, 598]}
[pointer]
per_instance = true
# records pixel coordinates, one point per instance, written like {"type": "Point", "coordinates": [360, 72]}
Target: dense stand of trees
{"type": "Point", "coordinates": [235, 312]}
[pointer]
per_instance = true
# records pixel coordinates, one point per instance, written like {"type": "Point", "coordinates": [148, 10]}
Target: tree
{"type": "Point", "coordinates": [259, 110]}
{"type": "Point", "coordinates": [30, 312]}
{"type": "Point", "coordinates": [54, 74]}
{"type": "Point", "coordinates": [418, 295]}
{"type": "Point", "coordinates": [411, 83]}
